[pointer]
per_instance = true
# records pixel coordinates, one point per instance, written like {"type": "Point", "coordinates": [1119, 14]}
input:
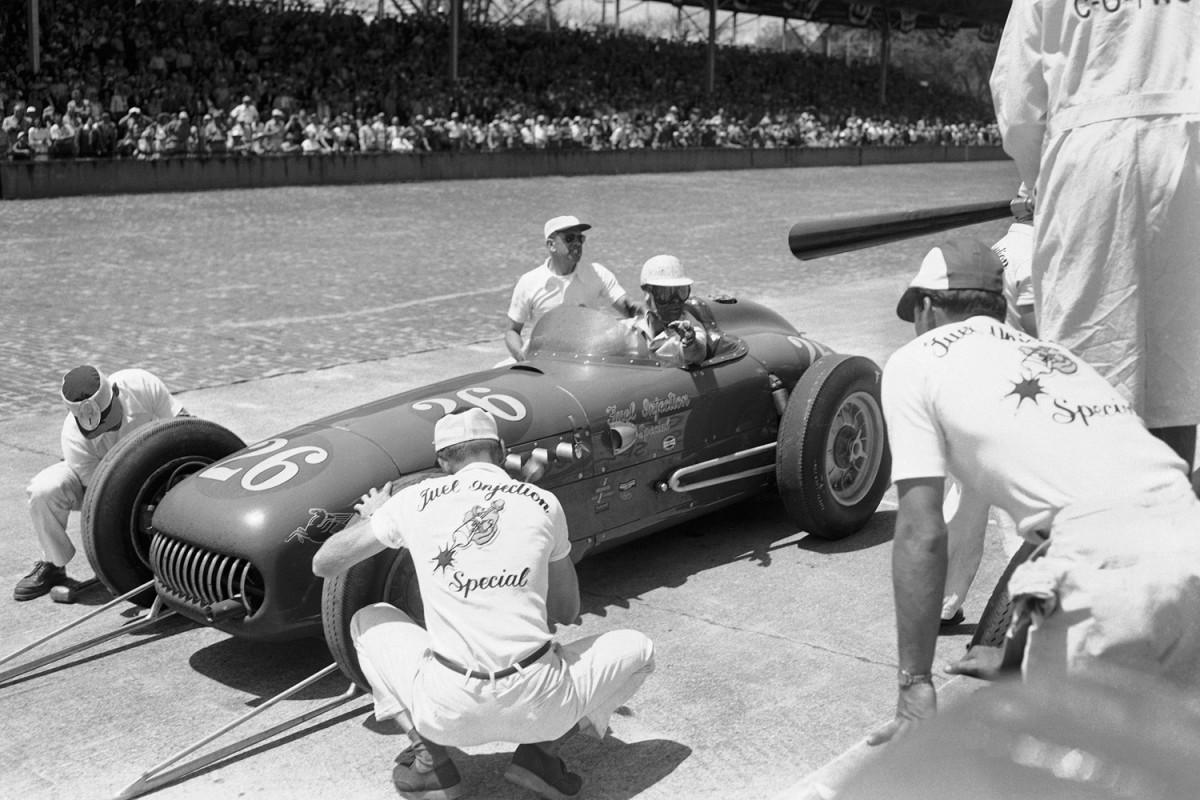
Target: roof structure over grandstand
{"type": "Point", "coordinates": [946, 16]}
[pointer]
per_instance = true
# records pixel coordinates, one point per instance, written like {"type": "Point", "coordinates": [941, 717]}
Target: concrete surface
{"type": "Point", "coordinates": [776, 652]}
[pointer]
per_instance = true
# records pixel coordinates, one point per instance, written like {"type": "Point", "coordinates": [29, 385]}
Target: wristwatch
{"type": "Point", "coordinates": [907, 678]}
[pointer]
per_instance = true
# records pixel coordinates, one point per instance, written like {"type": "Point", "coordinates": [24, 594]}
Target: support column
{"type": "Point", "coordinates": [710, 80]}
{"type": "Point", "coordinates": [455, 18]}
{"type": "Point", "coordinates": [35, 37]}
{"type": "Point", "coordinates": [885, 52]}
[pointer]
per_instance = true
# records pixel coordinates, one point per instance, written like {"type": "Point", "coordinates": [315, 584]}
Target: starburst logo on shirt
{"type": "Point", "coordinates": [1026, 389]}
{"type": "Point", "coordinates": [479, 527]}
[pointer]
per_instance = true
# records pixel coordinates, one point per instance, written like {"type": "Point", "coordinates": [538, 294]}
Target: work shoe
{"type": "Point", "coordinates": [427, 773]}
{"type": "Point", "coordinates": [953, 620]}
{"type": "Point", "coordinates": [541, 773]}
{"type": "Point", "coordinates": [42, 578]}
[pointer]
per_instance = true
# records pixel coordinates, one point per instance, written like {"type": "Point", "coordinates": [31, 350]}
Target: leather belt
{"type": "Point", "coordinates": [533, 657]}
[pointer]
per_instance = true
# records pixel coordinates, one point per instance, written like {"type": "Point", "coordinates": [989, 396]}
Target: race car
{"type": "Point", "coordinates": [629, 441]}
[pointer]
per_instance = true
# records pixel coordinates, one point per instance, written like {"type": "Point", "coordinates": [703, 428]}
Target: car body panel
{"type": "Point", "coordinates": [604, 427]}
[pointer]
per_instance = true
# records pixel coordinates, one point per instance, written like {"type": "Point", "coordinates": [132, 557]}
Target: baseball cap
{"type": "Point", "coordinates": [954, 264]}
{"type": "Point", "coordinates": [88, 394]}
{"type": "Point", "coordinates": [560, 224]}
{"type": "Point", "coordinates": [664, 270]}
{"type": "Point", "coordinates": [464, 426]}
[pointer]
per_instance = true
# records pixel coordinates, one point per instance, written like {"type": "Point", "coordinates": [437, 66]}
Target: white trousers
{"type": "Point", "coordinates": [1115, 270]}
{"type": "Point", "coordinates": [53, 494]}
{"type": "Point", "coordinates": [582, 682]}
{"type": "Point", "coordinates": [1122, 585]}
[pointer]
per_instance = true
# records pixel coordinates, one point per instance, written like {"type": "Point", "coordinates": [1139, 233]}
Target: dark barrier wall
{"type": "Point", "coordinates": [26, 179]}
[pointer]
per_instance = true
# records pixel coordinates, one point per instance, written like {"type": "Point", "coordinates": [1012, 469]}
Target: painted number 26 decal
{"type": "Point", "coordinates": [500, 406]}
{"type": "Point", "coordinates": [275, 470]}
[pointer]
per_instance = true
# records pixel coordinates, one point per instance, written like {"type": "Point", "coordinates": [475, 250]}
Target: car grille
{"type": "Point", "coordinates": [204, 578]}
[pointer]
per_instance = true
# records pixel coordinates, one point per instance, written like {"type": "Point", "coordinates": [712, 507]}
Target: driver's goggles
{"type": "Point", "coordinates": [670, 294]}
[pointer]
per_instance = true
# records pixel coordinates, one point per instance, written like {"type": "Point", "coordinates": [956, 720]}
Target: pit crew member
{"type": "Point", "coordinates": [495, 575]}
{"type": "Point", "coordinates": [103, 409]}
{"type": "Point", "coordinates": [966, 517]}
{"type": "Point", "coordinates": [561, 280]}
{"type": "Point", "coordinates": [1099, 106]}
{"type": "Point", "coordinates": [1038, 433]}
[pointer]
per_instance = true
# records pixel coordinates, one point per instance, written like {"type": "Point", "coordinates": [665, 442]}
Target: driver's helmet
{"type": "Point", "coordinates": [664, 270]}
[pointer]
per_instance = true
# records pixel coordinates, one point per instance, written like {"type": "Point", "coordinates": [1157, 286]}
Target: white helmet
{"type": "Point", "coordinates": [664, 271]}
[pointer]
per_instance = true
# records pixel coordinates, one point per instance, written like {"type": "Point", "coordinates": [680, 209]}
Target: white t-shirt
{"type": "Point", "coordinates": [1023, 422]}
{"type": "Point", "coordinates": [541, 289]}
{"type": "Point", "coordinates": [1015, 249]}
{"type": "Point", "coordinates": [144, 398]}
{"type": "Point", "coordinates": [481, 543]}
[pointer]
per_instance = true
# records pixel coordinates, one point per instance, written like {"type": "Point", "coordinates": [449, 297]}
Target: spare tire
{"type": "Point", "coordinates": [832, 461]}
{"type": "Point", "coordinates": [387, 577]}
{"type": "Point", "coordinates": [128, 485]}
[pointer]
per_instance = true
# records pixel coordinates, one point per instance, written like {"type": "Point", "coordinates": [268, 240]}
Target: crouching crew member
{"type": "Point", "coordinates": [103, 411]}
{"type": "Point", "coordinates": [493, 563]}
{"type": "Point", "coordinates": [1036, 432]}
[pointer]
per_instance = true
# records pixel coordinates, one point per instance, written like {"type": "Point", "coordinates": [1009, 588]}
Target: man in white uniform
{"type": "Point", "coordinates": [1039, 434]}
{"type": "Point", "coordinates": [561, 280]}
{"type": "Point", "coordinates": [1101, 111]}
{"type": "Point", "coordinates": [103, 410]}
{"type": "Point", "coordinates": [493, 563]}
{"type": "Point", "coordinates": [967, 516]}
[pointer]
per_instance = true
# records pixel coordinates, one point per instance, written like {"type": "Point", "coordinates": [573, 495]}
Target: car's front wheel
{"type": "Point", "coordinates": [127, 487]}
{"type": "Point", "coordinates": [832, 461]}
{"type": "Point", "coordinates": [387, 577]}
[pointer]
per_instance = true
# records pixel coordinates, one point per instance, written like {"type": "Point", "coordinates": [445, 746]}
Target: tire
{"type": "Point", "coordinates": [130, 481]}
{"type": "Point", "coordinates": [385, 577]}
{"type": "Point", "coordinates": [832, 461]}
{"type": "Point", "coordinates": [992, 629]}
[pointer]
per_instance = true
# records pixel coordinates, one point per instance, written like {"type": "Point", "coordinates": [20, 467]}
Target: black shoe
{"type": "Point", "coordinates": [543, 774]}
{"type": "Point", "coordinates": [422, 776]}
{"type": "Point", "coordinates": [42, 578]}
{"type": "Point", "coordinates": [956, 619]}
{"type": "Point", "coordinates": [441, 783]}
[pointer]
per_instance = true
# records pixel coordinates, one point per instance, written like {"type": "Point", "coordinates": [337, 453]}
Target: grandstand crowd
{"type": "Point", "coordinates": [160, 78]}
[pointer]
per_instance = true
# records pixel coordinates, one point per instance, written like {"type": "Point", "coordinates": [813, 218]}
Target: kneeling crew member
{"type": "Point", "coordinates": [1036, 432]}
{"type": "Point", "coordinates": [103, 411]}
{"type": "Point", "coordinates": [495, 575]}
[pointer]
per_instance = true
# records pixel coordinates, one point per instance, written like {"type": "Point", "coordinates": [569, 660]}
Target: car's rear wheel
{"type": "Point", "coordinates": [128, 485]}
{"type": "Point", "coordinates": [832, 461]}
{"type": "Point", "coordinates": [387, 577]}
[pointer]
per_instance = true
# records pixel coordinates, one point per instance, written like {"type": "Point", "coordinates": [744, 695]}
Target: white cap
{"type": "Point", "coordinates": [664, 270]}
{"type": "Point", "coordinates": [464, 426]}
{"type": "Point", "coordinates": [560, 224]}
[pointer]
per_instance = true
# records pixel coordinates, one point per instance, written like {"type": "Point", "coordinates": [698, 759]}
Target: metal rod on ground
{"type": "Point", "coordinates": [154, 615]}
{"type": "Point", "coordinates": [155, 776]}
{"type": "Point", "coordinates": [819, 238]}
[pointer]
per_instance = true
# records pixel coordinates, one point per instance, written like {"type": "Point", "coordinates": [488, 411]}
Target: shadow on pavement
{"type": "Point", "coordinates": [267, 668]}
{"type": "Point", "coordinates": [611, 769]}
{"type": "Point", "coordinates": [161, 629]}
{"type": "Point", "coordinates": [748, 531]}
{"type": "Point", "coordinates": [877, 532]}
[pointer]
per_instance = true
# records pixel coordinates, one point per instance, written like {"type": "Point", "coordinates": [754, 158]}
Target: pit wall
{"type": "Point", "coordinates": [28, 179]}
